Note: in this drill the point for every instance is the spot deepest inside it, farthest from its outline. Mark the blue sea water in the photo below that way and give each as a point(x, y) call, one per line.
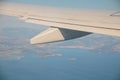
point(86, 65)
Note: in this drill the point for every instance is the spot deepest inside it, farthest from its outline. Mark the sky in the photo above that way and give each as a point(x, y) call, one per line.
point(97, 4)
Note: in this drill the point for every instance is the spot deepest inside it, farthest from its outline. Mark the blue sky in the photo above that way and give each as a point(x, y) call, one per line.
point(97, 4)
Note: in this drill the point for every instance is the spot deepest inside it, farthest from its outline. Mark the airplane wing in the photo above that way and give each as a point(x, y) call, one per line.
point(65, 23)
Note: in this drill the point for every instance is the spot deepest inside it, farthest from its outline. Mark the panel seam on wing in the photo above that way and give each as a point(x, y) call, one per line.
point(72, 24)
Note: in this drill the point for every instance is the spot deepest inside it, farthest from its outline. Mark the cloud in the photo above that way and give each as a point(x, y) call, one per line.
point(11, 57)
point(79, 46)
point(14, 39)
point(116, 48)
point(51, 55)
point(72, 59)
point(96, 43)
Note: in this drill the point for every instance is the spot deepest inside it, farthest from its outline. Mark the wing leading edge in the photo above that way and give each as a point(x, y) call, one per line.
point(65, 23)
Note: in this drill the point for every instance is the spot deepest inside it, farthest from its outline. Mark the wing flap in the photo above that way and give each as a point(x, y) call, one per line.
point(56, 34)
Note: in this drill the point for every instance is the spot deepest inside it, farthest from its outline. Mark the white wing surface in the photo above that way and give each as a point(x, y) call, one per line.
point(65, 23)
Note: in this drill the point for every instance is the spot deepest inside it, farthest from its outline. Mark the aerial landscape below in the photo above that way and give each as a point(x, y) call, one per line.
point(92, 57)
